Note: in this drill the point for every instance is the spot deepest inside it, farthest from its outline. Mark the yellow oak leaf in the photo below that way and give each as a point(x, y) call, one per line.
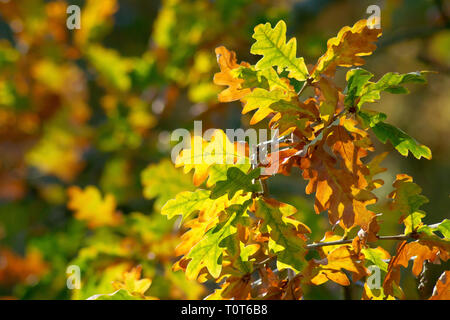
point(90, 207)
point(132, 282)
point(201, 155)
point(342, 257)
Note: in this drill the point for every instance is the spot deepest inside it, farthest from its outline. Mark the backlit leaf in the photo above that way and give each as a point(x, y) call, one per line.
point(208, 251)
point(400, 140)
point(441, 290)
point(285, 241)
point(164, 182)
point(271, 43)
point(236, 181)
point(89, 206)
point(201, 155)
point(227, 62)
point(347, 48)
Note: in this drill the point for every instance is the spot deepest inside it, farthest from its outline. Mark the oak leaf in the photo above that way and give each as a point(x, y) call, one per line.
point(441, 290)
point(132, 282)
point(271, 44)
point(89, 206)
point(227, 63)
point(201, 155)
point(339, 183)
point(285, 241)
point(236, 181)
point(347, 48)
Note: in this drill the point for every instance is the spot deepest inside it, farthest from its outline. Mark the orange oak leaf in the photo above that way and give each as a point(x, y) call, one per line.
point(421, 250)
point(274, 287)
point(227, 62)
point(331, 267)
point(366, 234)
point(329, 98)
point(295, 117)
point(234, 287)
point(16, 269)
point(374, 169)
point(339, 182)
point(347, 48)
point(442, 288)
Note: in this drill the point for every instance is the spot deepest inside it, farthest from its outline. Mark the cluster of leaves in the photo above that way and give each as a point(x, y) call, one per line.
point(256, 247)
point(80, 121)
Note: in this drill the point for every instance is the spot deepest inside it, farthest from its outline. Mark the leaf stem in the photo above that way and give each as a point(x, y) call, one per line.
point(305, 85)
point(264, 187)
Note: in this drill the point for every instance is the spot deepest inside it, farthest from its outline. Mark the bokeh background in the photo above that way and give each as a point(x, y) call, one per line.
point(96, 106)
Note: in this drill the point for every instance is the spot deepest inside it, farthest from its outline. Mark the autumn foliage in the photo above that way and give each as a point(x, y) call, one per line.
point(207, 225)
point(249, 234)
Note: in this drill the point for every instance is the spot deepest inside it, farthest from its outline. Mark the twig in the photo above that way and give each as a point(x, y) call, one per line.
point(338, 242)
point(303, 152)
point(343, 241)
point(265, 188)
point(333, 243)
point(305, 85)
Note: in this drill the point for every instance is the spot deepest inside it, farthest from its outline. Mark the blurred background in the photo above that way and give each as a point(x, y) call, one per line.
point(96, 106)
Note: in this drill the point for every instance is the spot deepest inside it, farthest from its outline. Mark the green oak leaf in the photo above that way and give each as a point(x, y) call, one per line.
point(266, 79)
point(274, 80)
point(369, 118)
point(404, 202)
point(391, 82)
point(239, 253)
point(271, 44)
point(284, 239)
point(218, 172)
point(252, 77)
point(208, 252)
point(414, 221)
point(402, 142)
point(375, 257)
point(360, 90)
point(186, 203)
point(444, 228)
point(236, 181)
point(261, 99)
point(163, 181)
point(356, 80)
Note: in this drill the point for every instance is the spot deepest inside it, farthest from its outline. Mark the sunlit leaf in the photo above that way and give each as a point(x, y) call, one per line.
point(89, 206)
point(271, 44)
point(347, 48)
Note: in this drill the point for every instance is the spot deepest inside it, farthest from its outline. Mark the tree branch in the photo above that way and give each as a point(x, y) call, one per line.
point(345, 241)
